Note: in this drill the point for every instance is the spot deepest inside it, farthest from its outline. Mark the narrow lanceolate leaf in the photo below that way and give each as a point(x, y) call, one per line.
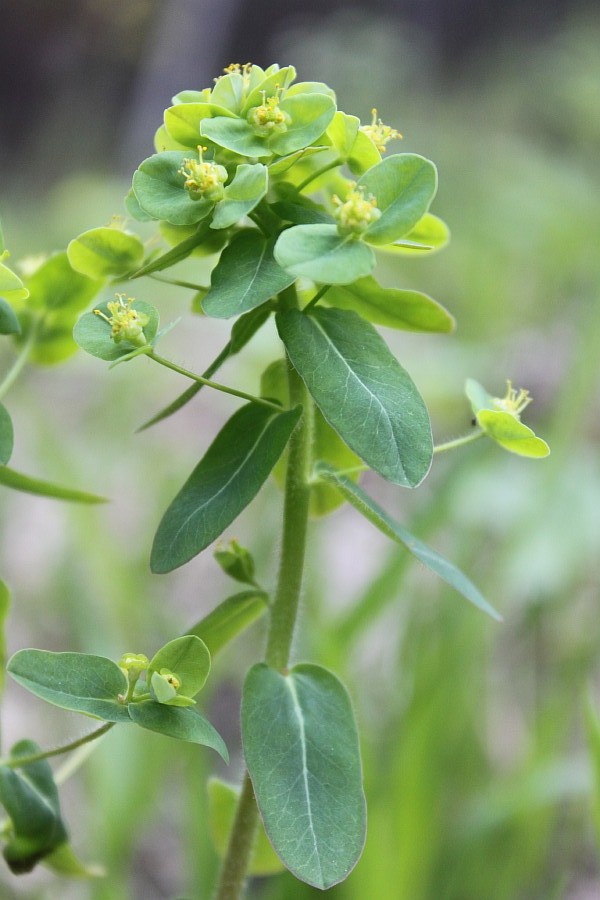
point(384, 522)
point(19, 482)
point(30, 798)
point(179, 723)
point(245, 277)
point(230, 618)
point(6, 436)
point(229, 476)
point(77, 681)
point(9, 324)
point(402, 309)
point(301, 749)
point(320, 253)
point(362, 390)
point(105, 251)
point(404, 185)
point(247, 189)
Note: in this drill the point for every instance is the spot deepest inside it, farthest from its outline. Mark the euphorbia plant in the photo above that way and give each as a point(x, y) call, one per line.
point(295, 200)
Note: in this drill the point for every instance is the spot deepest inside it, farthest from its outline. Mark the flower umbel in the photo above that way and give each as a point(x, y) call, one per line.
point(126, 323)
point(268, 118)
point(203, 180)
point(379, 133)
point(356, 213)
point(514, 402)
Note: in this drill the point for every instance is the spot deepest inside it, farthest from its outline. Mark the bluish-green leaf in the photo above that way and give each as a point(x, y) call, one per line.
point(320, 253)
point(269, 84)
point(105, 251)
point(179, 723)
point(93, 333)
point(362, 390)
point(403, 185)
point(229, 476)
point(236, 135)
point(301, 749)
point(19, 482)
point(159, 188)
point(364, 154)
point(222, 803)
point(230, 618)
point(384, 522)
point(9, 324)
point(134, 209)
point(7, 436)
point(310, 115)
point(247, 189)
point(394, 308)
point(30, 798)
point(246, 276)
point(77, 681)
point(187, 657)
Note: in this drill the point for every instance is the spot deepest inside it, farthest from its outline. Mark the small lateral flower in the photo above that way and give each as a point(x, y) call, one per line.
point(204, 180)
point(268, 118)
point(125, 322)
point(514, 402)
point(379, 133)
point(500, 419)
point(356, 213)
point(133, 662)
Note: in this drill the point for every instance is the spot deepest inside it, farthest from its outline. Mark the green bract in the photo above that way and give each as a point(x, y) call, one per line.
point(500, 420)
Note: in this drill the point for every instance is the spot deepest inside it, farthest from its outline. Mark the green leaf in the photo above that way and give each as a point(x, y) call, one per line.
point(105, 251)
point(236, 135)
point(235, 467)
point(77, 681)
point(63, 861)
point(134, 209)
point(222, 804)
point(429, 235)
point(11, 286)
point(237, 562)
point(188, 657)
point(6, 436)
point(513, 435)
point(228, 92)
point(362, 390)
point(478, 396)
point(320, 253)
point(57, 287)
point(247, 189)
point(30, 798)
point(182, 121)
point(159, 188)
point(93, 333)
point(404, 185)
point(9, 324)
point(367, 507)
point(301, 749)
point(245, 277)
point(401, 309)
point(19, 482)
point(364, 155)
point(342, 133)
point(230, 618)
point(2, 244)
point(4, 608)
point(179, 252)
point(179, 723)
point(279, 78)
point(310, 115)
point(301, 213)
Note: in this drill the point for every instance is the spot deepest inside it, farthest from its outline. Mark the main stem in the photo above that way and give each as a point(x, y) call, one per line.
point(283, 613)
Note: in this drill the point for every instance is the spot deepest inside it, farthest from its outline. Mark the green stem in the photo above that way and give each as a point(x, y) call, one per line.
point(283, 611)
point(16, 762)
point(459, 442)
point(314, 300)
point(213, 384)
point(315, 175)
point(15, 370)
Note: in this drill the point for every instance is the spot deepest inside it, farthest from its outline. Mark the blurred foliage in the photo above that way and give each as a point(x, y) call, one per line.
point(477, 764)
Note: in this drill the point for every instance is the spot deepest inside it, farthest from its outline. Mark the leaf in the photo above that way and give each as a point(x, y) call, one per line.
point(513, 435)
point(57, 287)
point(404, 185)
point(362, 390)
point(301, 213)
point(364, 155)
point(77, 681)
point(105, 251)
point(9, 324)
point(179, 252)
point(320, 253)
point(93, 333)
point(222, 804)
point(236, 135)
point(188, 657)
point(19, 482)
point(63, 861)
point(279, 78)
point(225, 481)
point(182, 121)
point(30, 798)
point(245, 277)
point(402, 309)
point(478, 396)
point(179, 723)
point(367, 507)
point(4, 608)
point(247, 189)
point(237, 562)
point(342, 133)
point(230, 618)
point(134, 209)
point(11, 286)
point(301, 749)
point(310, 115)
point(6, 436)
point(429, 235)
point(159, 188)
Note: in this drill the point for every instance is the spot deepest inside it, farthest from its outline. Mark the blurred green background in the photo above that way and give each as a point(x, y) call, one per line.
point(481, 744)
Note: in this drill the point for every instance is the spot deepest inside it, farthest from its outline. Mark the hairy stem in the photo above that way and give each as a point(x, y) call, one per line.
point(16, 762)
point(459, 442)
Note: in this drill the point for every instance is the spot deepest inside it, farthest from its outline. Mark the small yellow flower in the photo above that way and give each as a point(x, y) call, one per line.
point(514, 402)
point(356, 213)
point(133, 662)
point(171, 678)
point(203, 180)
point(379, 133)
point(126, 323)
point(268, 118)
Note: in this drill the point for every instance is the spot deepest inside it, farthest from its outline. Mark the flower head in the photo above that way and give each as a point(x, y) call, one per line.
point(379, 133)
point(268, 119)
point(203, 180)
point(356, 213)
point(514, 402)
point(126, 323)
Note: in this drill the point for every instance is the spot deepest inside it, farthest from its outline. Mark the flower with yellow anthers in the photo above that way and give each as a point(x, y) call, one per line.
point(514, 402)
point(237, 69)
point(171, 678)
point(356, 213)
point(133, 662)
point(379, 133)
point(126, 323)
point(268, 119)
point(204, 180)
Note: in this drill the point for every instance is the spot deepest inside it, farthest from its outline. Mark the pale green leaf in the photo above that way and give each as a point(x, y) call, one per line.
point(19, 482)
point(230, 618)
point(247, 189)
point(403, 309)
point(105, 251)
point(320, 253)
point(403, 185)
point(188, 658)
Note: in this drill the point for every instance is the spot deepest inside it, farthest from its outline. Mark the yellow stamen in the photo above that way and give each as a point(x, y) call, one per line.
point(514, 402)
point(379, 133)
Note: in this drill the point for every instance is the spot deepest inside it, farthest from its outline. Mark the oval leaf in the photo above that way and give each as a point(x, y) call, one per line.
point(159, 188)
point(230, 618)
point(9, 324)
point(179, 723)
point(245, 276)
point(19, 482)
point(105, 251)
point(310, 115)
point(6, 436)
point(222, 804)
point(362, 390)
point(56, 286)
point(320, 253)
point(11, 285)
point(229, 476)
point(93, 333)
point(77, 681)
point(247, 189)
point(404, 185)
point(513, 435)
point(236, 135)
point(301, 749)
point(188, 658)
